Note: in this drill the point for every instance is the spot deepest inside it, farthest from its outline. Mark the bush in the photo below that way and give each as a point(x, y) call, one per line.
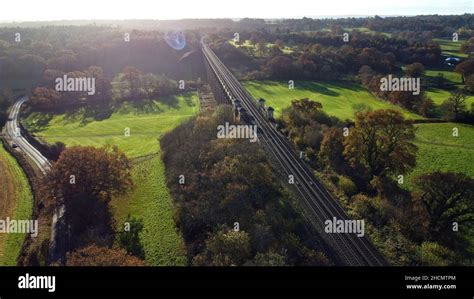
point(347, 185)
point(130, 239)
point(433, 254)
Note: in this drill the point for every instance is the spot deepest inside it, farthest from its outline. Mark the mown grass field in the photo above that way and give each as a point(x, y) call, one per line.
point(146, 123)
point(150, 199)
point(438, 149)
point(338, 99)
point(16, 202)
point(440, 95)
point(448, 75)
point(450, 48)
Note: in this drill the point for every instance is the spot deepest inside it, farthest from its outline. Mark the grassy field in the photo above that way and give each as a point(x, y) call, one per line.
point(150, 199)
point(16, 202)
point(450, 48)
point(448, 75)
point(440, 95)
point(146, 123)
point(439, 150)
point(367, 30)
point(338, 99)
point(253, 48)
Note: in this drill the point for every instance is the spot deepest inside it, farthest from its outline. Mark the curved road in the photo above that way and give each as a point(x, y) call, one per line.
point(14, 132)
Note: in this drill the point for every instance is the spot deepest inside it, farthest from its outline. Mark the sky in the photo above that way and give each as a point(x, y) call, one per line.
point(49, 10)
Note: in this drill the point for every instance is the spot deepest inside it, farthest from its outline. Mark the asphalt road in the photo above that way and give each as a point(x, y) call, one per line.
point(14, 132)
point(56, 247)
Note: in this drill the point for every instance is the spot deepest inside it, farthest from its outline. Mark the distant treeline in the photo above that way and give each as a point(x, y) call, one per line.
point(25, 53)
point(440, 25)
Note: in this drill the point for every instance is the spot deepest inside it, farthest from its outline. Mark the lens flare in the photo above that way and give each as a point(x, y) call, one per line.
point(176, 40)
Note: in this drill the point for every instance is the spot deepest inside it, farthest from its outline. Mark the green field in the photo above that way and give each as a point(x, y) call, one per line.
point(150, 199)
point(246, 44)
point(367, 30)
point(338, 99)
point(439, 150)
point(440, 95)
point(450, 76)
point(450, 48)
point(146, 124)
point(16, 202)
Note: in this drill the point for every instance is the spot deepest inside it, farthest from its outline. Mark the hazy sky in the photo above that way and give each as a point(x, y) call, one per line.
point(33, 10)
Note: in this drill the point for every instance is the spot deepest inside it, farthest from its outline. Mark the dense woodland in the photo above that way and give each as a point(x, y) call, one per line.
point(231, 208)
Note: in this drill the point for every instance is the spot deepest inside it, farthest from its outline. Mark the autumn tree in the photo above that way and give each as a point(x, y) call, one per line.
point(262, 47)
point(49, 77)
point(269, 259)
point(149, 82)
point(4, 104)
point(448, 199)
point(414, 70)
point(468, 46)
point(332, 148)
point(470, 83)
point(280, 44)
point(103, 86)
point(97, 172)
point(280, 67)
point(64, 60)
point(427, 107)
point(226, 248)
point(84, 179)
point(94, 256)
point(381, 142)
point(454, 106)
point(433, 254)
point(304, 122)
point(130, 77)
point(465, 68)
point(45, 98)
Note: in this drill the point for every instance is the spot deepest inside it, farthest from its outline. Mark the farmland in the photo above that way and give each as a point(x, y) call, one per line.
point(440, 95)
point(16, 202)
point(449, 47)
point(149, 200)
point(340, 99)
point(146, 122)
point(438, 149)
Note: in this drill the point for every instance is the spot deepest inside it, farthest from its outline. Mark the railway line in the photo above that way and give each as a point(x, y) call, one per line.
point(317, 202)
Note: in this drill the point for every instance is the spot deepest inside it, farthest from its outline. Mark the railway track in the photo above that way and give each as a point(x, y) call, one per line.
point(318, 203)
